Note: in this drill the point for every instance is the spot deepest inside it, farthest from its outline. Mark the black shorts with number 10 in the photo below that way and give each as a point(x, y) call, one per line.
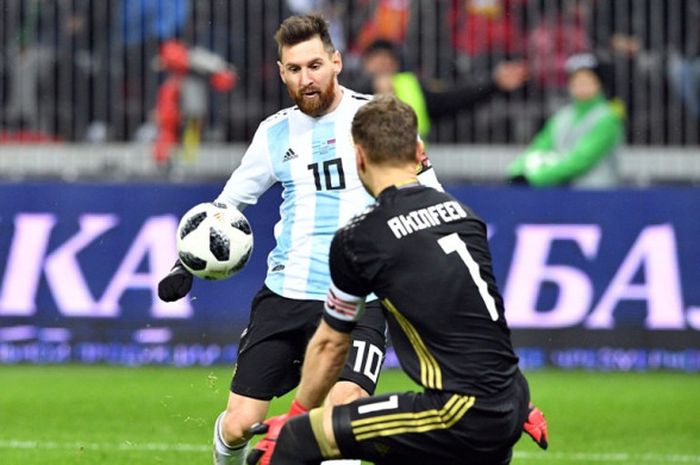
point(272, 347)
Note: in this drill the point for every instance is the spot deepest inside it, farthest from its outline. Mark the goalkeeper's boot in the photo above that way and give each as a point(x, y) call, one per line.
point(536, 426)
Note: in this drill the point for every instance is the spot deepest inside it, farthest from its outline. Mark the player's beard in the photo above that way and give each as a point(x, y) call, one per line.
point(314, 106)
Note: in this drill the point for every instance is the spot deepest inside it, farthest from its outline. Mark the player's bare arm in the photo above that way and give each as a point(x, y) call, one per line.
point(323, 362)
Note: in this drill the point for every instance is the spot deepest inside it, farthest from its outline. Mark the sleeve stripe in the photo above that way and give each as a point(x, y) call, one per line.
point(342, 305)
point(344, 295)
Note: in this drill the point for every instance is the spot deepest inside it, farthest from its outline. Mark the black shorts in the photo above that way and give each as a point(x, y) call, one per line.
point(272, 347)
point(432, 427)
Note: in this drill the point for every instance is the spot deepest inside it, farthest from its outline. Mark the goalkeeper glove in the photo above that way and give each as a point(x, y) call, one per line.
point(176, 284)
point(271, 428)
point(536, 426)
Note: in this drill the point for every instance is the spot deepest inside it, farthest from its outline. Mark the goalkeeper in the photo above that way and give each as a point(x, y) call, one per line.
point(426, 257)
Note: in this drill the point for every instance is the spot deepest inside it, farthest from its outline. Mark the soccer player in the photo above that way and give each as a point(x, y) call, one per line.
point(308, 149)
point(426, 257)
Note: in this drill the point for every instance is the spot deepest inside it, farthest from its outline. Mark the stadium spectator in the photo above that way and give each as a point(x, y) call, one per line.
point(629, 39)
point(52, 64)
point(433, 274)
point(485, 31)
point(30, 59)
point(560, 34)
point(140, 27)
point(388, 21)
point(578, 143)
point(308, 150)
point(382, 74)
point(183, 98)
point(684, 72)
point(684, 63)
point(78, 64)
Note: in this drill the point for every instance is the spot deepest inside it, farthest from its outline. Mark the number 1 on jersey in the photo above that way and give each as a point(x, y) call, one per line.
point(452, 243)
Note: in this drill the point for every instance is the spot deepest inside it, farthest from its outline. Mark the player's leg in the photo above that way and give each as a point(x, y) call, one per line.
point(359, 377)
point(268, 366)
point(298, 444)
point(231, 426)
point(344, 392)
point(429, 427)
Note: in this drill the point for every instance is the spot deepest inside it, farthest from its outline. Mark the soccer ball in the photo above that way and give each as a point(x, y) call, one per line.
point(214, 241)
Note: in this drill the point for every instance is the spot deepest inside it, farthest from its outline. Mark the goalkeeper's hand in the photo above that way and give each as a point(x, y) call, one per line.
point(176, 284)
point(536, 426)
point(262, 452)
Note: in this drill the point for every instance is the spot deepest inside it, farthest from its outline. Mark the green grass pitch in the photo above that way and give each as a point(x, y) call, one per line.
point(110, 415)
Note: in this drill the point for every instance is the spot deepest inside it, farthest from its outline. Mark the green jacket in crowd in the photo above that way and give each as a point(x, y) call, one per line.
point(576, 147)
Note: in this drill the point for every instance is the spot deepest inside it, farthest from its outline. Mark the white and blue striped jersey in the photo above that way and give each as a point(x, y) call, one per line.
point(314, 160)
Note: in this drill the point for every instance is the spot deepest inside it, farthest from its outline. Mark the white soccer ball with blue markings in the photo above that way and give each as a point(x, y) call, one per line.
point(214, 241)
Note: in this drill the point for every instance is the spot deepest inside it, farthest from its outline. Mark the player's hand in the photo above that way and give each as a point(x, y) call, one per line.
point(262, 452)
point(536, 426)
point(176, 284)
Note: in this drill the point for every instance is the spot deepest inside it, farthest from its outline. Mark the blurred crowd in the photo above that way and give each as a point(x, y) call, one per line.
point(96, 71)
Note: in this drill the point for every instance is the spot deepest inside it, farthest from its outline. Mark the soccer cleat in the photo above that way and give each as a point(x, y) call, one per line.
point(536, 426)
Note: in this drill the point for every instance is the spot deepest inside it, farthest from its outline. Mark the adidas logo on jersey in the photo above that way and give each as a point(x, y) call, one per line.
point(289, 155)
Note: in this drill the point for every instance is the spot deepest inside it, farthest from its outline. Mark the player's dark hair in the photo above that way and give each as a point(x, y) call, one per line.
point(387, 129)
point(297, 29)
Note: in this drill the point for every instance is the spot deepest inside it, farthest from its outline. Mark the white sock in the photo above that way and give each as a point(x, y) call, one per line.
point(223, 453)
point(341, 462)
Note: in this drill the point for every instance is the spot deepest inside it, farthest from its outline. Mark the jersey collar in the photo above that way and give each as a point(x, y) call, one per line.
point(397, 187)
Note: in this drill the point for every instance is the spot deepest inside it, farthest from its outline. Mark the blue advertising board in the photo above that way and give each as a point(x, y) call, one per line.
point(603, 279)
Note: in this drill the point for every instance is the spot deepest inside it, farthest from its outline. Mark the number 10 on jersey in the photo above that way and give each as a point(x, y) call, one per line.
point(332, 173)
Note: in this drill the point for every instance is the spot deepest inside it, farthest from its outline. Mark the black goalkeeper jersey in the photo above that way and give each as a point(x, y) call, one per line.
point(426, 256)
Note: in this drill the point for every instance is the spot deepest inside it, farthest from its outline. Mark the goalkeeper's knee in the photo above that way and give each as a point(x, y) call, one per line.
point(297, 444)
